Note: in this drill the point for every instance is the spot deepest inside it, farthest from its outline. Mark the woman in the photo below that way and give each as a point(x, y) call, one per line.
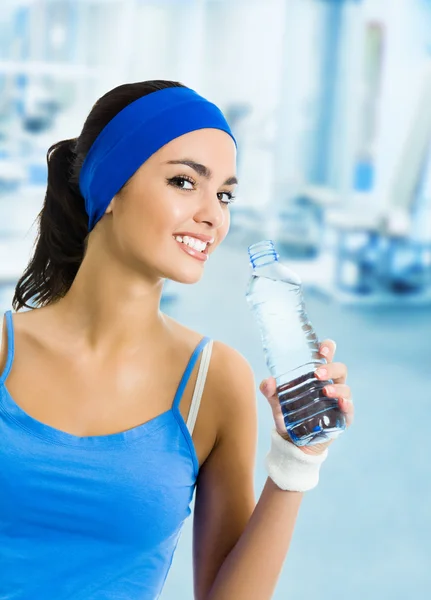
point(101, 440)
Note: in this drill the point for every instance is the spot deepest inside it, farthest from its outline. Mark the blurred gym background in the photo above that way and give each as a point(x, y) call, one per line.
point(330, 101)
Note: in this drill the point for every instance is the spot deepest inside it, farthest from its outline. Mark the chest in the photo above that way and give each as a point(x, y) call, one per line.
point(73, 398)
point(84, 401)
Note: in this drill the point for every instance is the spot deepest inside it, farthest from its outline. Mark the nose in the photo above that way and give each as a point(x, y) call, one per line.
point(210, 211)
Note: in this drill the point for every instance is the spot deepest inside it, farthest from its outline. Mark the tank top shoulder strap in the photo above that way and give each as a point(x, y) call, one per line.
point(190, 366)
point(10, 344)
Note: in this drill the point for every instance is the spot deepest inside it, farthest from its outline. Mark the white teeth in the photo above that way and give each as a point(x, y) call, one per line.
point(192, 242)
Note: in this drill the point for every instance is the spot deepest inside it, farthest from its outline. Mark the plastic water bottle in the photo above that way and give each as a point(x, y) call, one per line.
point(291, 348)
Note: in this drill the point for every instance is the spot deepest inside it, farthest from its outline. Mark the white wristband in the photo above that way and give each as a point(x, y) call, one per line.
point(290, 468)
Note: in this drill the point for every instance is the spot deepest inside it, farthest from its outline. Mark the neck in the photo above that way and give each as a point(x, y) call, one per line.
point(113, 306)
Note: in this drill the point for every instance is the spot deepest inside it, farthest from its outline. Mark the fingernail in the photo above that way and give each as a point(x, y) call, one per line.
point(321, 373)
point(324, 351)
point(329, 389)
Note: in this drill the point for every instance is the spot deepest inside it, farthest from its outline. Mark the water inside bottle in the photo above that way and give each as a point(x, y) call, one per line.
point(310, 416)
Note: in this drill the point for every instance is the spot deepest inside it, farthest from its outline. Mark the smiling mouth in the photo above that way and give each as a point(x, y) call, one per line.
point(196, 253)
point(193, 243)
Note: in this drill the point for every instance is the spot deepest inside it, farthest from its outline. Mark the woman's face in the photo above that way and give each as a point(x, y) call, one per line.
point(163, 200)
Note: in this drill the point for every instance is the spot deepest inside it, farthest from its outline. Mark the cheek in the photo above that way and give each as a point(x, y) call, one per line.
point(224, 229)
point(146, 209)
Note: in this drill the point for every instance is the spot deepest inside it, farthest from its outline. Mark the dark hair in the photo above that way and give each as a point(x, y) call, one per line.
point(63, 222)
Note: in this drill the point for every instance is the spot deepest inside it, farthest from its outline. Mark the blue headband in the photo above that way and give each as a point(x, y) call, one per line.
point(135, 134)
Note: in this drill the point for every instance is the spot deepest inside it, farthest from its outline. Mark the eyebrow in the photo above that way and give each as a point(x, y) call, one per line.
point(201, 169)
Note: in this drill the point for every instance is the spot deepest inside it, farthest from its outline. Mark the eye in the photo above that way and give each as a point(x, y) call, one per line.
point(179, 179)
point(229, 195)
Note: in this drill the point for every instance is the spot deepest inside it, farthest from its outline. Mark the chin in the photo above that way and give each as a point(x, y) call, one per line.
point(187, 276)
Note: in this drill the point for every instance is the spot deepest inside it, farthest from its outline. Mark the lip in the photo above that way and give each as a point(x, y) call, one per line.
point(198, 236)
point(202, 256)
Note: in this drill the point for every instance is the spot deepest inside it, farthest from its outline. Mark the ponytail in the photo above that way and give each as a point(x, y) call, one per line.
point(63, 229)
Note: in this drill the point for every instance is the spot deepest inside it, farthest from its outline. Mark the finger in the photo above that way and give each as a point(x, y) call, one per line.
point(327, 349)
point(338, 390)
point(268, 387)
point(348, 409)
point(336, 371)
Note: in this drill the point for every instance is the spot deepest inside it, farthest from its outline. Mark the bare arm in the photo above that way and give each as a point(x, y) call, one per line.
point(253, 567)
point(239, 546)
point(254, 552)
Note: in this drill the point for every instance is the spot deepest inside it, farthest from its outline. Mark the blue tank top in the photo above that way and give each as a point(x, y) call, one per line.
point(91, 518)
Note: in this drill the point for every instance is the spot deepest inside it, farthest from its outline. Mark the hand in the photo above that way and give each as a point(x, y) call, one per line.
point(335, 371)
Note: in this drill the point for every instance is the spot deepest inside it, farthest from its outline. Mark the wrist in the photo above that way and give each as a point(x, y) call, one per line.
point(289, 467)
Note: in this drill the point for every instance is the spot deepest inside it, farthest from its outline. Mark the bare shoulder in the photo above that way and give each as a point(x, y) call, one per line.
point(232, 393)
point(22, 321)
point(230, 384)
point(26, 320)
point(229, 370)
point(233, 375)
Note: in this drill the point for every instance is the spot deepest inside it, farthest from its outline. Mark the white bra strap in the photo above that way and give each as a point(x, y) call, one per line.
point(199, 387)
